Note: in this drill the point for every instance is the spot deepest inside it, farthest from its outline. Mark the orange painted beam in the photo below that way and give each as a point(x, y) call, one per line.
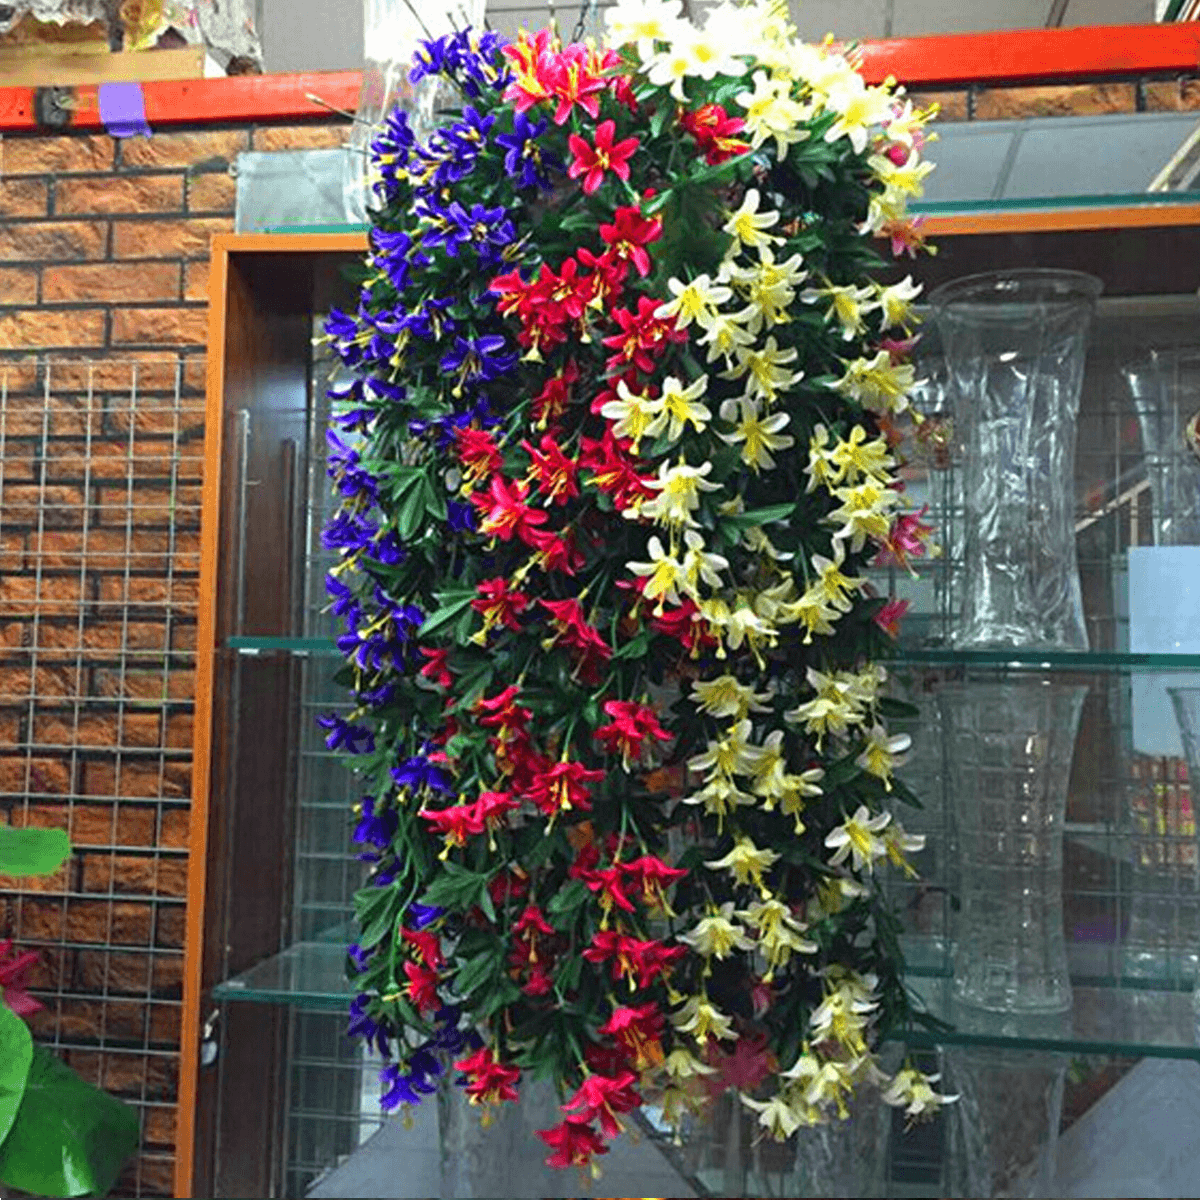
point(1018, 56)
point(1025, 56)
point(239, 99)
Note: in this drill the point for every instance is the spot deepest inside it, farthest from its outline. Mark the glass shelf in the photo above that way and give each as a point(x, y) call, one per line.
point(1111, 1015)
point(930, 657)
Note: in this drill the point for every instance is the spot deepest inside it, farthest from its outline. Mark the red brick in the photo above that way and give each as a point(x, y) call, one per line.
point(26, 328)
point(178, 593)
point(172, 920)
point(54, 731)
point(46, 775)
point(995, 104)
point(157, 326)
point(155, 1176)
point(211, 193)
point(301, 137)
point(120, 194)
point(120, 972)
point(184, 149)
point(53, 596)
point(175, 831)
point(952, 105)
point(41, 921)
point(12, 549)
point(22, 198)
point(102, 549)
point(127, 874)
point(15, 683)
point(56, 155)
point(189, 238)
point(18, 285)
point(195, 281)
point(55, 883)
point(159, 1126)
point(137, 781)
point(19, 375)
point(52, 241)
point(145, 685)
point(104, 922)
point(111, 283)
point(179, 731)
point(165, 1025)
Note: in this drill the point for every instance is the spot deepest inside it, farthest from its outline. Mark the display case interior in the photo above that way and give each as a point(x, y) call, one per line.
point(282, 870)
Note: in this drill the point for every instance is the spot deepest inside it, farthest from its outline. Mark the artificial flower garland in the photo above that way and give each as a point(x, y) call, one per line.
point(618, 438)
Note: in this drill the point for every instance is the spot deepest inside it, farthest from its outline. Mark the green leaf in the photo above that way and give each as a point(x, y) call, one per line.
point(452, 605)
point(473, 973)
point(636, 647)
point(569, 898)
point(32, 851)
point(69, 1138)
point(759, 516)
point(889, 706)
point(16, 1053)
point(412, 509)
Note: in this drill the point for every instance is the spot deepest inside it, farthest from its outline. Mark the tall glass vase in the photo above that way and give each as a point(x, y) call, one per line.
point(1009, 747)
point(1014, 346)
point(1165, 389)
point(392, 30)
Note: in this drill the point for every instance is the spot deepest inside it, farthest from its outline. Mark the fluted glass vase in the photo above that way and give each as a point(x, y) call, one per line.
point(1008, 751)
point(1165, 389)
point(392, 29)
point(1014, 346)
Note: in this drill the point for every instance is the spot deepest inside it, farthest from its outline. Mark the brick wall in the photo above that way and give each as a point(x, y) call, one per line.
point(103, 277)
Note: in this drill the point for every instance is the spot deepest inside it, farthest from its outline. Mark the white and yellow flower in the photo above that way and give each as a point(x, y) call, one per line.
point(678, 487)
point(633, 414)
point(717, 935)
point(681, 407)
point(896, 301)
point(696, 301)
point(746, 863)
point(912, 1090)
point(883, 753)
point(703, 1020)
point(858, 107)
point(772, 114)
point(764, 369)
point(856, 458)
point(726, 697)
point(848, 306)
point(748, 227)
point(756, 434)
point(644, 22)
point(855, 838)
point(877, 383)
point(775, 1115)
point(664, 575)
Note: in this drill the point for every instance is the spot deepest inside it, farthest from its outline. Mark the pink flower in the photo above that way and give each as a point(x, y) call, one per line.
point(888, 617)
point(593, 161)
point(14, 979)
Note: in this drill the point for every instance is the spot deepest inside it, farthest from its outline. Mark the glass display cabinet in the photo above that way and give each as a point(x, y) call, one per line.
point(281, 1095)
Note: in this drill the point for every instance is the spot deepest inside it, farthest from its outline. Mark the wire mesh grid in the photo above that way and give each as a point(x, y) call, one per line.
point(1131, 911)
point(100, 473)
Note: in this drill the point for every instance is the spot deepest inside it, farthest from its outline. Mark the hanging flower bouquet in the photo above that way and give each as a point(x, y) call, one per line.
point(616, 447)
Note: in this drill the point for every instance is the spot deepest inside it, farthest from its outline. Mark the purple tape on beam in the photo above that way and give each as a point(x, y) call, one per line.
point(123, 109)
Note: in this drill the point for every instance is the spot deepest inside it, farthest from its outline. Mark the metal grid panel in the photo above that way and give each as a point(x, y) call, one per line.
point(100, 471)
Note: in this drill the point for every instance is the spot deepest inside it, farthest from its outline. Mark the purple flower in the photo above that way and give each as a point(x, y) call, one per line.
point(418, 774)
point(342, 735)
point(479, 360)
point(374, 1033)
point(346, 531)
point(460, 517)
point(411, 1083)
point(422, 915)
point(388, 549)
point(390, 152)
point(523, 158)
point(391, 252)
point(376, 827)
point(345, 468)
point(359, 957)
point(345, 604)
point(342, 332)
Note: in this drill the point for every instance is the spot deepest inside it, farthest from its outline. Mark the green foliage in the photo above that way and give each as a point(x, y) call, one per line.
point(32, 851)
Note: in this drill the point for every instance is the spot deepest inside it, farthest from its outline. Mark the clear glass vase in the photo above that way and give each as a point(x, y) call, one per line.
point(1165, 389)
point(392, 30)
point(719, 1153)
point(1014, 345)
point(1008, 749)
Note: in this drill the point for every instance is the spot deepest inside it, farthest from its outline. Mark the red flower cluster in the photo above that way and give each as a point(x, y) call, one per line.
point(713, 130)
point(570, 76)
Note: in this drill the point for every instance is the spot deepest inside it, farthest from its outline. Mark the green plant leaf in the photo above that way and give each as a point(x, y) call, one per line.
point(452, 604)
point(69, 1138)
point(16, 1053)
point(32, 851)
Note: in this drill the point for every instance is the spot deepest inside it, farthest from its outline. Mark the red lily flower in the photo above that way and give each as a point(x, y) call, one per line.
point(422, 987)
point(638, 1028)
point(643, 336)
point(538, 982)
point(609, 884)
point(574, 77)
point(632, 723)
point(555, 473)
point(427, 945)
point(713, 130)
point(14, 979)
point(455, 824)
point(574, 1143)
point(614, 470)
point(507, 885)
point(529, 55)
point(491, 1081)
point(499, 604)
point(503, 511)
point(889, 616)
point(552, 401)
point(556, 551)
point(492, 807)
point(593, 161)
point(562, 788)
point(479, 455)
point(629, 235)
point(654, 877)
point(502, 710)
point(436, 668)
point(601, 1098)
point(637, 961)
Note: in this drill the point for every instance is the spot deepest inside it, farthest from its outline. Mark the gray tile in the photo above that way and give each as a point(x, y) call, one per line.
point(845, 19)
point(914, 17)
point(1109, 12)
